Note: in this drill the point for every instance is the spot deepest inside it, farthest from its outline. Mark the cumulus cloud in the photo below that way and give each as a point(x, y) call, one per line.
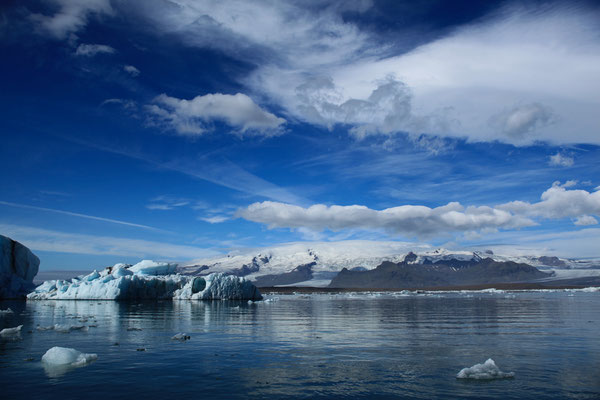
point(131, 70)
point(70, 17)
point(585, 220)
point(405, 220)
point(560, 160)
point(191, 117)
point(558, 202)
point(412, 220)
point(90, 50)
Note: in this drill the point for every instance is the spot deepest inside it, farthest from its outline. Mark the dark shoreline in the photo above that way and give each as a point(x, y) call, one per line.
point(500, 286)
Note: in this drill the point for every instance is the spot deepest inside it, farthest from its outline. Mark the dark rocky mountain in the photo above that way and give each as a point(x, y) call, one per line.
point(299, 274)
point(452, 272)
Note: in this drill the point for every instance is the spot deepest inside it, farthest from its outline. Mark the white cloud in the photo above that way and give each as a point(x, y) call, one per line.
point(71, 16)
point(190, 117)
point(90, 50)
point(517, 76)
point(405, 220)
point(560, 160)
point(557, 202)
point(586, 220)
point(131, 70)
point(49, 240)
point(216, 219)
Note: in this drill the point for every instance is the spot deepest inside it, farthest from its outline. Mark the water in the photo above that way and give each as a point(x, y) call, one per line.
point(312, 346)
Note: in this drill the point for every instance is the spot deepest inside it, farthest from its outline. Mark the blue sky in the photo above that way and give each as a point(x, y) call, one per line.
point(183, 129)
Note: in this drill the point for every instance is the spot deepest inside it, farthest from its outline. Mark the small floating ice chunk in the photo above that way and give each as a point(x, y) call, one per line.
point(45, 328)
point(7, 311)
point(7, 332)
point(487, 370)
point(68, 328)
point(181, 337)
point(67, 356)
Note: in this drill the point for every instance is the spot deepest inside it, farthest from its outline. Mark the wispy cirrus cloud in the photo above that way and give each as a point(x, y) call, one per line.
point(70, 16)
point(79, 215)
point(76, 243)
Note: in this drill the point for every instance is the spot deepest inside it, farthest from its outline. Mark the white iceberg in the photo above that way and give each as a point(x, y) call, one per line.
point(18, 267)
point(7, 311)
point(146, 280)
point(8, 332)
point(67, 356)
point(218, 287)
point(487, 370)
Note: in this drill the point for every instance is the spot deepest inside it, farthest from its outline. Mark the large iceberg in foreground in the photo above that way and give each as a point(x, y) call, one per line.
point(18, 267)
point(487, 370)
point(146, 280)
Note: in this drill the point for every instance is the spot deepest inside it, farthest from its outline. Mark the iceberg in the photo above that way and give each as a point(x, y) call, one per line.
point(147, 280)
point(488, 370)
point(67, 356)
point(6, 312)
point(18, 267)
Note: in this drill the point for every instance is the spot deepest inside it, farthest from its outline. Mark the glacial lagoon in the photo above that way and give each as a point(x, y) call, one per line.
point(350, 345)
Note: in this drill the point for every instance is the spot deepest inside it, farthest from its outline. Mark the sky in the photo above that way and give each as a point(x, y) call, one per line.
point(180, 129)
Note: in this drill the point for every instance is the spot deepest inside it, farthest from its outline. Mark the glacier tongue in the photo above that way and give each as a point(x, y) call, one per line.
point(146, 280)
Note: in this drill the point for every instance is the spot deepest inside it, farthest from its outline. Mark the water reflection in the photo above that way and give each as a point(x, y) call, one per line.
point(369, 345)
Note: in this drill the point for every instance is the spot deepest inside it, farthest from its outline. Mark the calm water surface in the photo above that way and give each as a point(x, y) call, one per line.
point(317, 346)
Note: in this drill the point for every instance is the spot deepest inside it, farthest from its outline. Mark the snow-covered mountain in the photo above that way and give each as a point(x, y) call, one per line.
point(316, 263)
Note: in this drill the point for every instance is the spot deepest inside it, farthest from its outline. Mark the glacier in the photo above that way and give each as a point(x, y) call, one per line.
point(18, 267)
point(325, 259)
point(488, 370)
point(146, 280)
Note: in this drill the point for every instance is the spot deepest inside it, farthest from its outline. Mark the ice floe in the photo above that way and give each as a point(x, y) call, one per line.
point(487, 370)
point(9, 332)
point(59, 360)
point(181, 337)
point(7, 311)
point(146, 280)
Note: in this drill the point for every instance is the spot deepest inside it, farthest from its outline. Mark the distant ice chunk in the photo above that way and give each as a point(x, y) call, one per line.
point(8, 332)
point(7, 311)
point(181, 337)
point(487, 370)
point(64, 328)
